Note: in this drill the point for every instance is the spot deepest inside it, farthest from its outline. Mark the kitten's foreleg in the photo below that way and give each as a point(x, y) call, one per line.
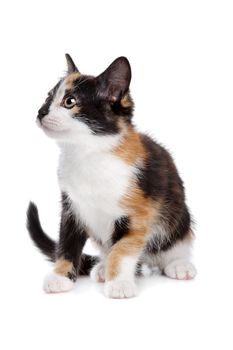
point(68, 256)
point(121, 265)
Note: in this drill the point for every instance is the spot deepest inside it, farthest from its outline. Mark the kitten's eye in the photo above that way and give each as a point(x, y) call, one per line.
point(69, 102)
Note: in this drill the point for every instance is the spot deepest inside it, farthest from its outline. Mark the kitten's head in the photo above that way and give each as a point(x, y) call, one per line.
point(82, 105)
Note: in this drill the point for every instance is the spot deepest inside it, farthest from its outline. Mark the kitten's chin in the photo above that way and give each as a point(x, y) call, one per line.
point(56, 135)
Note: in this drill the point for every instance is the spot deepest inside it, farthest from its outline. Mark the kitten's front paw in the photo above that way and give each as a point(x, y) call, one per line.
point(120, 289)
point(180, 270)
point(97, 273)
point(54, 283)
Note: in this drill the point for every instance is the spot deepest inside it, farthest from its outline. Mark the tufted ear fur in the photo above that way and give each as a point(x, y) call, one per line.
point(114, 82)
point(70, 64)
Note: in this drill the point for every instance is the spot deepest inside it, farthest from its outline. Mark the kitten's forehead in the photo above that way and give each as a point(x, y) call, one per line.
point(65, 85)
point(70, 81)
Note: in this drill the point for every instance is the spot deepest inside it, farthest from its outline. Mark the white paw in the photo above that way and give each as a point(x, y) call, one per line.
point(54, 283)
point(180, 270)
point(97, 273)
point(120, 289)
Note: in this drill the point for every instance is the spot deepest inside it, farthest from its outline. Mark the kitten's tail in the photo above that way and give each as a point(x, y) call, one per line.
point(48, 246)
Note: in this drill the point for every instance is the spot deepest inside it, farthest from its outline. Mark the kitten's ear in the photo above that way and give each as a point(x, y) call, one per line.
point(114, 82)
point(70, 64)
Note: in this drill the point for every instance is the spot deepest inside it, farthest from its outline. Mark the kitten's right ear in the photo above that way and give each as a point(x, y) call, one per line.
point(70, 64)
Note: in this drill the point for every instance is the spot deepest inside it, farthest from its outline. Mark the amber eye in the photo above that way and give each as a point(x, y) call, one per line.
point(69, 102)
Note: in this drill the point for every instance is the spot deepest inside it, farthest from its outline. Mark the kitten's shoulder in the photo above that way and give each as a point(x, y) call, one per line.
point(158, 172)
point(153, 148)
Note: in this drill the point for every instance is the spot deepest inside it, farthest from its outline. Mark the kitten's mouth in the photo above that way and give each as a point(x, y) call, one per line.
point(50, 127)
point(45, 127)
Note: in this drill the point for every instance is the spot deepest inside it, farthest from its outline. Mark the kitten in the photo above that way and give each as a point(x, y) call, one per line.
point(119, 188)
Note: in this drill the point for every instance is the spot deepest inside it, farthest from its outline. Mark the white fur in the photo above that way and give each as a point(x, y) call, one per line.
point(174, 262)
point(118, 289)
point(181, 250)
point(95, 181)
point(146, 271)
point(123, 286)
point(59, 124)
point(98, 273)
point(59, 95)
point(180, 269)
point(92, 176)
point(158, 235)
point(54, 283)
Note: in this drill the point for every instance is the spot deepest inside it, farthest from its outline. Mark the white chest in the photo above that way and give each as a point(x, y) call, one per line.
point(96, 184)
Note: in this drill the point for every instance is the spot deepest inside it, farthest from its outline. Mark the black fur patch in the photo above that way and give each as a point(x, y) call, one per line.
point(86, 264)
point(121, 229)
point(44, 110)
point(159, 180)
point(101, 116)
point(178, 233)
point(46, 245)
point(49, 247)
point(72, 236)
point(158, 171)
point(102, 101)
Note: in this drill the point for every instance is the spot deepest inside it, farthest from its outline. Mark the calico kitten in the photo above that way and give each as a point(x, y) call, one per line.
point(118, 187)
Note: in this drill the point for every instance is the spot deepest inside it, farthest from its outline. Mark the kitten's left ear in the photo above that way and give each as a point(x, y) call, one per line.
point(70, 64)
point(114, 82)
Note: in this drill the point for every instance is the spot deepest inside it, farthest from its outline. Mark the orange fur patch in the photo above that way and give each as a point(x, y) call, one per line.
point(71, 79)
point(126, 102)
point(63, 267)
point(190, 236)
point(131, 245)
point(75, 109)
point(143, 213)
point(131, 148)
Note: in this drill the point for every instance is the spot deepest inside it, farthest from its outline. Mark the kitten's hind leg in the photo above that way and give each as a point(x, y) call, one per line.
point(175, 262)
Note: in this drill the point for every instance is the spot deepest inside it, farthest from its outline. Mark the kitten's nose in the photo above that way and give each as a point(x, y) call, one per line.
point(42, 113)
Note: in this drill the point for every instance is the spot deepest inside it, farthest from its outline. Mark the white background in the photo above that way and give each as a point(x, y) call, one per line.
point(182, 62)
